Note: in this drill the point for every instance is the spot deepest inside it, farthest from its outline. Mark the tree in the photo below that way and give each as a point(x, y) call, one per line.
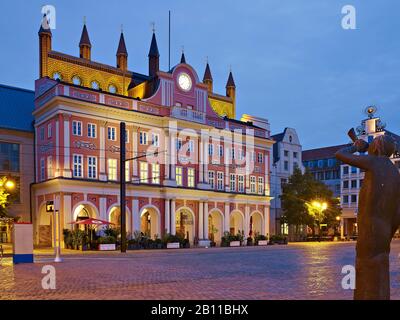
point(297, 199)
point(5, 197)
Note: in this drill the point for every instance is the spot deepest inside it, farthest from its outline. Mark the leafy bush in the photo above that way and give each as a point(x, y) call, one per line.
point(107, 240)
point(228, 237)
point(258, 237)
point(112, 232)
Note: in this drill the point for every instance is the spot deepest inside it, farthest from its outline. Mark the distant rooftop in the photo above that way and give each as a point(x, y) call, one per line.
point(321, 153)
point(16, 106)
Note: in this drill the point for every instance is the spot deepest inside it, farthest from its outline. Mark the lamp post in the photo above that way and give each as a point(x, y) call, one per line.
point(319, 207)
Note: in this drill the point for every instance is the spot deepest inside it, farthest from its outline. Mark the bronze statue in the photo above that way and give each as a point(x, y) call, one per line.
point(378, 214)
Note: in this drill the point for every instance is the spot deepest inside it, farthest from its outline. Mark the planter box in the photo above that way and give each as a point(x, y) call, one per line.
point(234, 244)
point(173, 245)
point(107, 247)
point(262, 242)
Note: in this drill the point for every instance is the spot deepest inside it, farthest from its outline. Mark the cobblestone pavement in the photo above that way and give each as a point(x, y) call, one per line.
point(296, 271)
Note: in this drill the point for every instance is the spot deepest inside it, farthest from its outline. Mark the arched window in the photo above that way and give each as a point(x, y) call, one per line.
point(112, 88)
point(95, 85)
point(76, 80)
point(57, 76)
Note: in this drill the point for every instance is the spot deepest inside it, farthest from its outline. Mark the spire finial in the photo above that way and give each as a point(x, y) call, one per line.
point(206, 59)
point(84, 20)
point(183, 49)
point(230, 68)
point(153, 27)
point(122, 28)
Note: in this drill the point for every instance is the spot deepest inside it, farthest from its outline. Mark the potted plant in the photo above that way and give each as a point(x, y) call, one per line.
point(172, 241)
point(67, 239)
point(107, 243)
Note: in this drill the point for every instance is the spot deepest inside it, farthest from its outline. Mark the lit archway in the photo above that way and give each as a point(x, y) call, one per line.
point(114, 216)
point(83, 211)
point(150, 222)
point(236, 223)
point(185, 223)
point(215, 226)
point(256, 223)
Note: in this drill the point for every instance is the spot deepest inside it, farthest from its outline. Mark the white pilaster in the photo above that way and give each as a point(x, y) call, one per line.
point(57, 172)
point(226, 219)
point(173, 217)
point(67, 211)
point(167, 145)
point(247, 221)
point(103, 208)
point(206, 220)
point(135, 154)
point(67, 158)
point(102, 174)
point(135, 215)
point(201, 161)
point(167, 216)
point(201, 220)
point(266, 222)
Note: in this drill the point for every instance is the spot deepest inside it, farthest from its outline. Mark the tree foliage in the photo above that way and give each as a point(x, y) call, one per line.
point(297, 197)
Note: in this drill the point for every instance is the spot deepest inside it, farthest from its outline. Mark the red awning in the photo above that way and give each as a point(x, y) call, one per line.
point(92, 221)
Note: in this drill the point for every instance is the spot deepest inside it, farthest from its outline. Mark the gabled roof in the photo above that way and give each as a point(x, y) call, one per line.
point(16, 106)
point(85, 37)
point(322, 153)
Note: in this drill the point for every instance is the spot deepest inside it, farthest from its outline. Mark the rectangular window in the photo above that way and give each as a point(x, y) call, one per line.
point(91, 128)
point(260, 185)
point(112, 169)
point(41, 133)
point(9, 157)
point(49, 131)
point(286, 165)
point(210, 149)
point(345, 184)
point(78, 161)
point(155, 173)
point(241, 154)
point(286, 153)
point(260, 157)
point(354, 184)
point(155, 140)
point(191, 146)
point(178, 176)
point(346, 199)
point(42, 169)
point(77, 128)
point(144, 172)
point(345, 169)
point(232, 182)
point(191, 177)
point(211, 180)
point(253, 184)
point(221, 150)
point(143, 137)
point(178, 144)
point(295, 155)
point(240, 183)
point(49, 167)
point(353, 170)
point(127, 169)
point(220, 180)
point(92, 167)
point(353, 198)
point(126, 136)
point(112, 133)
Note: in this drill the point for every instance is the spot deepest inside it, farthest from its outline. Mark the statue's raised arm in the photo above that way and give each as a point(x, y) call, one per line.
point(347, 155)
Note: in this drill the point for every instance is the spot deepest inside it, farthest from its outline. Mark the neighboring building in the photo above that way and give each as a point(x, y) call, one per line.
point(198, 186)
point(353, 177)
point(16, 152)
point(324, 166)
point(287, 155)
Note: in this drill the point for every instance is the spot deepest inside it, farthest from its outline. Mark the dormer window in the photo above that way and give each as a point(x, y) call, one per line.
point(95, 85)
point(57, 76)
point(112, 88)
point(76, 80)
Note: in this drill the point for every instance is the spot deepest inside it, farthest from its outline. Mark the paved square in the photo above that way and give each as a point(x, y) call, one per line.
point(296, 271)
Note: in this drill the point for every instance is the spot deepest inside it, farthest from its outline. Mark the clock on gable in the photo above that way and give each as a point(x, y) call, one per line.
point(184, 81)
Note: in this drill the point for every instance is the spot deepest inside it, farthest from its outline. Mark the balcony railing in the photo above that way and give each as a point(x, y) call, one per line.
point(188, 114)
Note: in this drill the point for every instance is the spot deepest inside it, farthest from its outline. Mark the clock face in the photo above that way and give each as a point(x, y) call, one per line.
point(185, 82)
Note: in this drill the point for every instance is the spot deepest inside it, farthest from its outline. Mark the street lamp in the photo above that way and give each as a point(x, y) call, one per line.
point(319, 207)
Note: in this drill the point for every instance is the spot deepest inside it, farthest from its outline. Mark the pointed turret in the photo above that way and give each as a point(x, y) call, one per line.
point(154, 57)
point(231, 91)
point(183, 59)
point(84, 44)
point(122, 54)
point(207, 79)
point(44, 46)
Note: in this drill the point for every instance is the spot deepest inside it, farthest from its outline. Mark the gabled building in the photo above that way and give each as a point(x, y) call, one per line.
point(195, 170)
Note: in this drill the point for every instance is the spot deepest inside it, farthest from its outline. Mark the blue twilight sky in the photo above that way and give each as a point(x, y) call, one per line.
point(292, 61)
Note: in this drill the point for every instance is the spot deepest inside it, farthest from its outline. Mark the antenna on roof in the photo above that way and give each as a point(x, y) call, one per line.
point(169, 40)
